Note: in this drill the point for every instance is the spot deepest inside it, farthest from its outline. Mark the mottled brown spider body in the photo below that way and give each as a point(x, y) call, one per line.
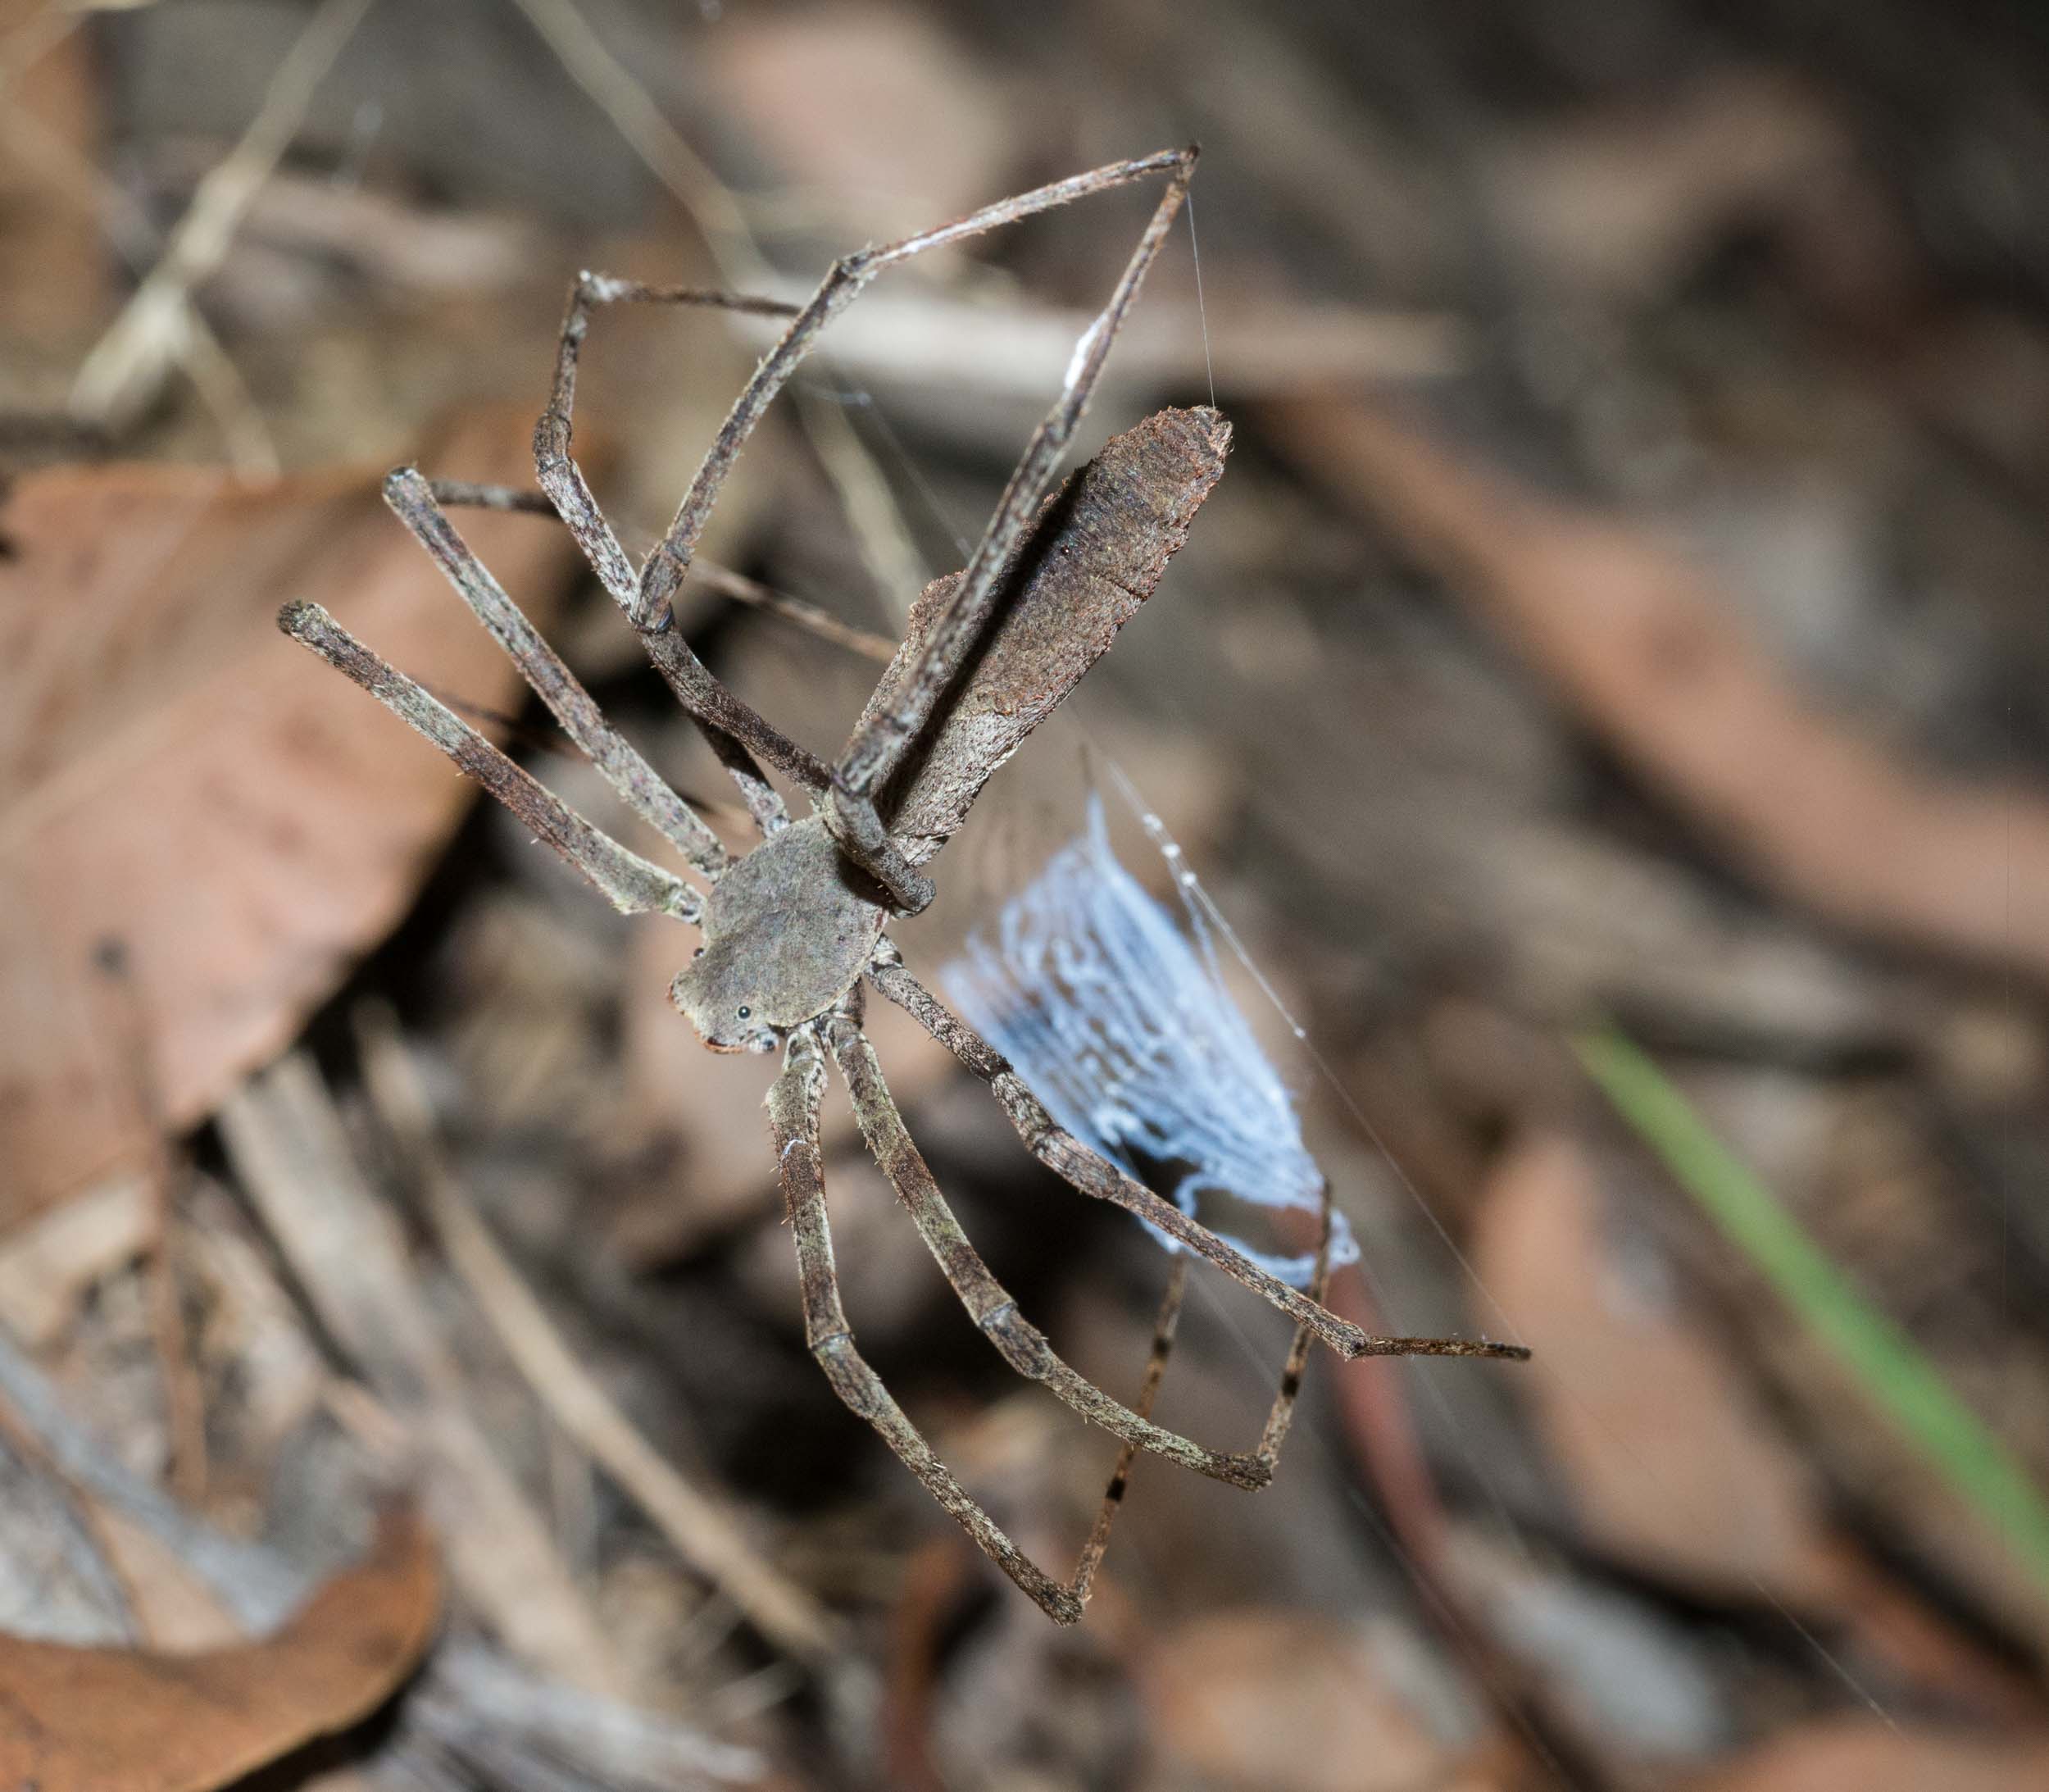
point(787, 932)
point(794, 930)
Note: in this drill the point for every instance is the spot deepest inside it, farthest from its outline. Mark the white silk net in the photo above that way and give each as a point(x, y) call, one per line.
point(1120, 1020)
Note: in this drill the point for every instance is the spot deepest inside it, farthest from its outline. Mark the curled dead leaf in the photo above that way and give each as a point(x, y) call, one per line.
point(124, 1720)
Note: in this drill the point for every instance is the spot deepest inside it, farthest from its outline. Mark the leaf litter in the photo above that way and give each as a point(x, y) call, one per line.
point(140, 797)
point(1415, 838)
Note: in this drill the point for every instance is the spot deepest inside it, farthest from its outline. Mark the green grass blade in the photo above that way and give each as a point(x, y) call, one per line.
point(1896, 1376)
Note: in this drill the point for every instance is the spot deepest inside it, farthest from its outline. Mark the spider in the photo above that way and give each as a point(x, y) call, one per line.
point(794, 929)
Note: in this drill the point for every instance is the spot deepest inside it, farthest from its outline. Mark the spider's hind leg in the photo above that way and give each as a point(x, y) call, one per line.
point(1092, 1174)
point(1272, 1437)
point(993, 1308)
point(794, 1122)
point(1113, 1495)
point(792, 1106)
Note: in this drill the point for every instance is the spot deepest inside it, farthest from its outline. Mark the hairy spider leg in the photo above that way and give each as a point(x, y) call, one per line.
point(793, 1120)
point(628, 882)
point(992, 1306)
point(814, 619)
point(1113, 1493)
point(737, 734)
point(1093, 1174)
point(640, 785)
point(1272, 1437)
point(879, 744)
point(792, 1106)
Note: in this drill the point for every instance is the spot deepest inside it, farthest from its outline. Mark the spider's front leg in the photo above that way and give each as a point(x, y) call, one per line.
point(413, 500)
point(792, 1107)
point(737, 734)
point(887, 731)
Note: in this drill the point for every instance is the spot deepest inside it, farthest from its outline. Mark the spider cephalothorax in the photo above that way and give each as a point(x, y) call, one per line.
point(788, 932)
point(793, 931)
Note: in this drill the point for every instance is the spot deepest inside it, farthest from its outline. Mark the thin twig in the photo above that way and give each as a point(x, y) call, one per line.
point(126, 367)
point(289, 1149)
point(165, 1173)
point(124, 224)
point(702, 1531)
point(255, 1585)
point(81, 1529)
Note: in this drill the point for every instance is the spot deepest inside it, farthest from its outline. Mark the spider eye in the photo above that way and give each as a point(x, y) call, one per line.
point(743, 1012)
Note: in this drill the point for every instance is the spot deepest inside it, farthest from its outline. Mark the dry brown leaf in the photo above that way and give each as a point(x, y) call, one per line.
point(54, 279)
point(118, 1720)
point(1873, 1756)
point(176, 775)
point(1289, 1702)
point(287, 1145)
point(1623, 201)
point(1654, 659)
point(1722, 1502)
point(1717, 1499)
point(861, 105)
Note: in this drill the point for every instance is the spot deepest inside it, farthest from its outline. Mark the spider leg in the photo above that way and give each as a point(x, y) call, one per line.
point(994, 1309)
point(1113, 1495)
point(1274, 1435)
point(842, 285)
point(1282, 1416)
point(648, 605)
point(810, 617)
point(737, 734)
point(1094, 1175)
point(640, 785)
point(792, 1106)
point(628, 881)
point(878, 746)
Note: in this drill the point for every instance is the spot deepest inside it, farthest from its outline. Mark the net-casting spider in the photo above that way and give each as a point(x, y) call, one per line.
point(793, 927)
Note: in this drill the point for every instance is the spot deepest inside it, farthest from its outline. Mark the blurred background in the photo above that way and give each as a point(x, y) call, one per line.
point(1604, 694)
